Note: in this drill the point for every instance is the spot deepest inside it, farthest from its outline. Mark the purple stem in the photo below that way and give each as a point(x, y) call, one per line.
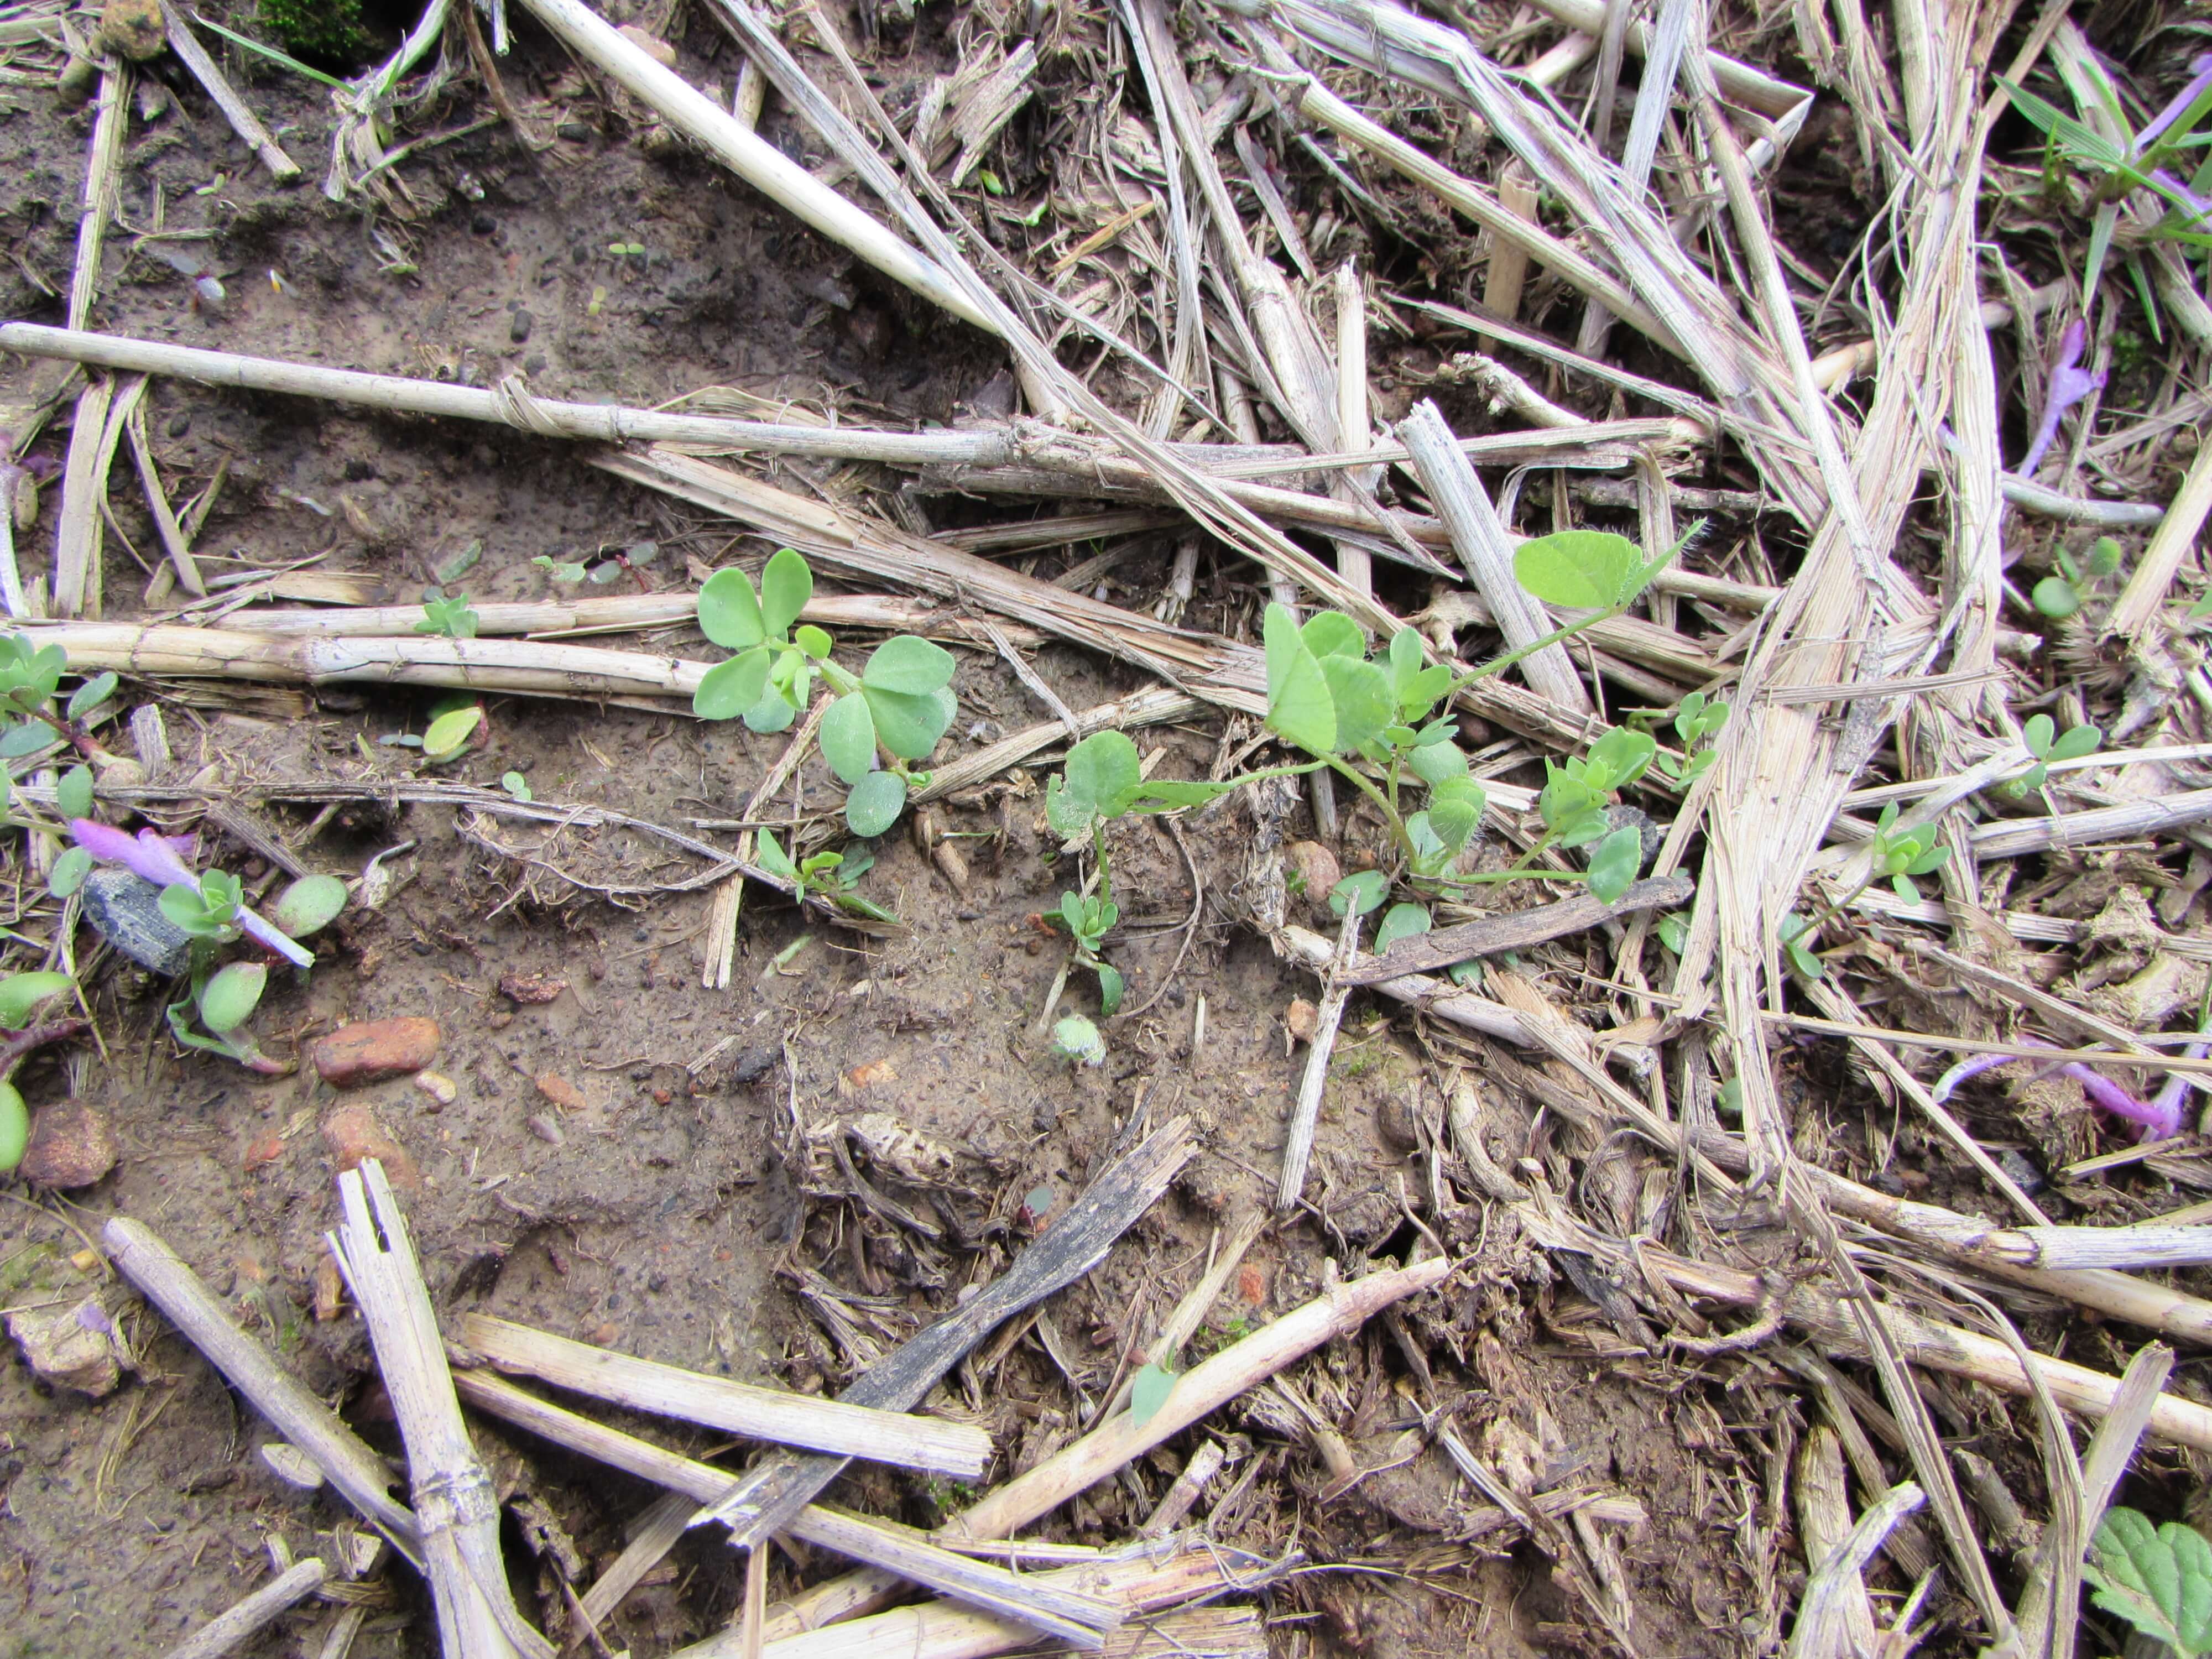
point(2201, 66)
point(19, 1044)
point(2158, 1118)
point(151, 855)
point(2068, 386)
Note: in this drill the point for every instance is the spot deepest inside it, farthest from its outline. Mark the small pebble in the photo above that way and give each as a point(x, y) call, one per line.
point(562, 1093)
point(354, 1136)
point(370, 1050)
point(291, 1465)
point(544, 1125)
point(71, 1146)
point(533, 988)
point(483, 224)
point(519, 330)
point(439, 1087)
point(576, 133)
point(179, 423)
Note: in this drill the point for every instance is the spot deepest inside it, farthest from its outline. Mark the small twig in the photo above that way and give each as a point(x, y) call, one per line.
point(1305, 1112)
point(273, 1600)
point(235, 109)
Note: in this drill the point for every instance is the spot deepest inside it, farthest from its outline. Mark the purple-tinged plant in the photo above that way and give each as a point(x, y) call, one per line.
point(153, 857)
point(2069, 384)
point(2200, 66)
point(2158, 1118)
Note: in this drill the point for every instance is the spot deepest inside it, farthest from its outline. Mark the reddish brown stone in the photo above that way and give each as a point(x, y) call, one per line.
point(531, 987)
point(562, 1093)
point(370, 1050)
point(353, 1134)
point(71, 1146)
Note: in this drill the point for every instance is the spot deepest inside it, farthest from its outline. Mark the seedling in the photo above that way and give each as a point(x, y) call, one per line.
point(1148, 1391)
point(1899, 855)
point(2158, 1579)
point(2063, 594)
point(1076, 1040)
point(22, 995)
point(560, 570)
point(1360, 716)
point(901, 700)
point(31, 713)
point(631, 559)
point(210, 907)
point(450, 616)
point(2047, 744)
point(833, 875)
point(1104, 780)
point(1796, 934)
point(1697, 719)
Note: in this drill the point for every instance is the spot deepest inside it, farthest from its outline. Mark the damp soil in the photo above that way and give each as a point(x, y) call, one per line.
point(641, 1162)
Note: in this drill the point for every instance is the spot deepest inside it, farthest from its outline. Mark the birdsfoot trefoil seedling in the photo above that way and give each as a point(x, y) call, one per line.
point(2047, 744)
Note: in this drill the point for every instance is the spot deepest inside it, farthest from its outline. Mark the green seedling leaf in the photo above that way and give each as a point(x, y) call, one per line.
point(1173, 794)
point(14, 1128)
point(910, 666)
point(1069, 819)
point(89, 696)
point(449, 731)
point(1674, 933)
point(1362, 890)
point(229, 998)
point(2076, 743)
point(1333, 634)
point(909, 727)
point(1361, 695)
point(776, 860)
point(848, 737)
point(2158, 1579)
point(2056, 597)
point(772, 713)
point(515, 785)
point(21, 993)
point(73, 794)
point(1400, 921)
point(1110, 988)
point(787, 584)
point(308, 905)
point(875, 802)
point(1454, 812)
point(729, 689)
point(1148, 1391)
point(29, 737)
point(2040, 732)
point(1103, 773)
point(1619, 757)
point(1579, 570)
point(730, 615)
point(1435, 762)
point(70, 867)
point(1299, 706)
point(560, 570)
point(1613, 867)
point(1076, 1039)
point(811, 640)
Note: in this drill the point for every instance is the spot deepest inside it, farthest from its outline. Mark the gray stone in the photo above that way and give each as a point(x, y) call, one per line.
point(125, 910)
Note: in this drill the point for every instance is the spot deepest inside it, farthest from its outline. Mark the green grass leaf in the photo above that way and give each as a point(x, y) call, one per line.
point(730, 615)
point(875, 802)
point(787, 584)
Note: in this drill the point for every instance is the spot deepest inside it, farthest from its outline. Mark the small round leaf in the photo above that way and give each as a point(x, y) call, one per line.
point(69, 872)
point(909, 727)
point(230, 997)
point(1333, 634)
point(786, 585)
point(912, 667)
point(1148, 1391)
point(728, 688)
point(15, 1125)
point(73, 794)
point(1578, 569)
point(28, 738)
point(1362, 890)
point(811, 640)
point(730, 615)
point(875, 802)
point(308, 905)
point(773, 713)
point(21, 993)
point(1400, 921)
point(89, 696)
point(848, 737)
